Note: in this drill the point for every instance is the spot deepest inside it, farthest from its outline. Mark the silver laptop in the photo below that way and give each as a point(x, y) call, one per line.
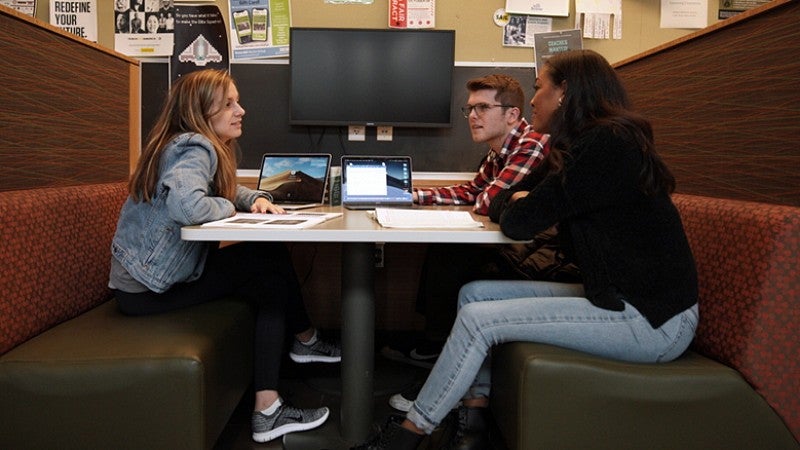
point(295, 180)
point(369, 182)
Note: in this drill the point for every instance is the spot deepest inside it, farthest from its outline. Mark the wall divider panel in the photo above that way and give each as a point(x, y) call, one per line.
point(725, 105)
point(69, 108)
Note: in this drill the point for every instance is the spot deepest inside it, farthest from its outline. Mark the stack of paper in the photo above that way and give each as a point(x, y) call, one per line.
point(424, 218)
point(289, 220)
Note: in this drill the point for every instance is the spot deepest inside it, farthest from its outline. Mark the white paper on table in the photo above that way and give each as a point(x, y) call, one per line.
point(419, 218)
point(292, 220)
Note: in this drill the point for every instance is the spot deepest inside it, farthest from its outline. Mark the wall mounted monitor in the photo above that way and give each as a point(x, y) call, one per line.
point(373, 77)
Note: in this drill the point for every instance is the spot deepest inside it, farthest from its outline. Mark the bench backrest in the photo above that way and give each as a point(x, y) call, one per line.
point(748, 256)
point(55, 245)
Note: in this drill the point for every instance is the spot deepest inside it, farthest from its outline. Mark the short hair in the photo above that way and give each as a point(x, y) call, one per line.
point(509, 91)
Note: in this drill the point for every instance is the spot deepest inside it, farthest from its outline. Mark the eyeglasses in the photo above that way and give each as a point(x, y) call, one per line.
point(481, 108)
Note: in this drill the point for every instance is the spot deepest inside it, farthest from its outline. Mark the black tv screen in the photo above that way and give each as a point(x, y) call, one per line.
point(373, 77)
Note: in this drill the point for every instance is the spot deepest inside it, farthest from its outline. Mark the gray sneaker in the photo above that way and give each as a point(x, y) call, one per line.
point(286, 419)
point(319, 351)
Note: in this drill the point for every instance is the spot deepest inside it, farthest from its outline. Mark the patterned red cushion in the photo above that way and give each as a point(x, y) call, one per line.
point(748, 255)
point(56, 252)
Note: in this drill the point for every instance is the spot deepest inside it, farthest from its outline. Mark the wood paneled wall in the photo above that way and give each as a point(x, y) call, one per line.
point(725, 105)
point(69, 109)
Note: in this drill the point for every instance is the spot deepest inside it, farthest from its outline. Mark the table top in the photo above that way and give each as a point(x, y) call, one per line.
point(355, 226)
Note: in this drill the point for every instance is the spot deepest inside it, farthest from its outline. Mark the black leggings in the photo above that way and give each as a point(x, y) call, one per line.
point(260, 272)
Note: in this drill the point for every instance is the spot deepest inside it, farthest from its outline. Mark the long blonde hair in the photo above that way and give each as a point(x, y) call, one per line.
point(188, 108)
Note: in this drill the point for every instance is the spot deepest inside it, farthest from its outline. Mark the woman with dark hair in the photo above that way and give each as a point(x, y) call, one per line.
point(609, 192)
point(186, 175)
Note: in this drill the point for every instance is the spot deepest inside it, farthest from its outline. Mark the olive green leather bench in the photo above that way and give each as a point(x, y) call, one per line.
point(75, 372)
point(738, 387)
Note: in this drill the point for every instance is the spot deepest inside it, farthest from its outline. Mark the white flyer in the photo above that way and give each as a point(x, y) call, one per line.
point(144, 27)
point(76, 17)
point(684, 13)
point(558, 8)
point(599, 19)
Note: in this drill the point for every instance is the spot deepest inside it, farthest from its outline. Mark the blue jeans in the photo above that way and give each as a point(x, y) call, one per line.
point(493, 312)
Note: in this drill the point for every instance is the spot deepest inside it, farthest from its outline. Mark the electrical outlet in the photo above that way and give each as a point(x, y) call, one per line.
point(357, 133)
point(379, 254)
point(384, 133)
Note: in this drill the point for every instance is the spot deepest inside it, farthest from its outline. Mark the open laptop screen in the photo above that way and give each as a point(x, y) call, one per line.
point(295, 178)
point(376, 180)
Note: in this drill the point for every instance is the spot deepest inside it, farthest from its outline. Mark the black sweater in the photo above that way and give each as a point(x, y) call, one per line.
point(627, 244)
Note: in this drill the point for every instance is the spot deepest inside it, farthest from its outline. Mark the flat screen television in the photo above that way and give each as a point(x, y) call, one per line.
point(372, 77)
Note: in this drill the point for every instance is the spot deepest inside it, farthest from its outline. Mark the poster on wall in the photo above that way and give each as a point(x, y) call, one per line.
point(729, 8)
point(548, 44)
point(520, 29)
point(599, 19)
point(684, 14)
point(412, 13)
point(558, 8)
point(259, 28)
point(24, 6)
point(76, 17)
point(144, 27)
point(201, 40)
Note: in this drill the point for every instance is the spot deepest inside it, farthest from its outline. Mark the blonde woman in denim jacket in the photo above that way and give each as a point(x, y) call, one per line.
point(187, 176)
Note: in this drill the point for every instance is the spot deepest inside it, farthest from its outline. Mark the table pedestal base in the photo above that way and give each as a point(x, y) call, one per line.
point(358, 340)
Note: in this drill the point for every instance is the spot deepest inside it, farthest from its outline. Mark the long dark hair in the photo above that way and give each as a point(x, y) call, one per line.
point(594, 96)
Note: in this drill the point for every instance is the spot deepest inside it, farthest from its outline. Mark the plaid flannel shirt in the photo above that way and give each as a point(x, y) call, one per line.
point(523, 150)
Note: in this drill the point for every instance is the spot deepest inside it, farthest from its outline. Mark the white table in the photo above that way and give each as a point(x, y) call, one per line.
point(359, 233)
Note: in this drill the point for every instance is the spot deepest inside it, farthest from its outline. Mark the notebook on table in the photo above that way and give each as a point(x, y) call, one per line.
point(369, 182)
point(295, 180)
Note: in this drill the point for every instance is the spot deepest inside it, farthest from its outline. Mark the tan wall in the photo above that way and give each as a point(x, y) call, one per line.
point(478, 39)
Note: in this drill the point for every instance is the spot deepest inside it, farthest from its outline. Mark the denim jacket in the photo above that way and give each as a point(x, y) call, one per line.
point(148, 240)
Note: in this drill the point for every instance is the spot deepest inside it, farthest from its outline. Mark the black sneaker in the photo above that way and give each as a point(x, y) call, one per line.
point(424, 354)
point(286, 419)
point(319, 351)
point(472, 430)
point(392, 436)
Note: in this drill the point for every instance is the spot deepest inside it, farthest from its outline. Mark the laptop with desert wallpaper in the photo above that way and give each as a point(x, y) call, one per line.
point(295, 180)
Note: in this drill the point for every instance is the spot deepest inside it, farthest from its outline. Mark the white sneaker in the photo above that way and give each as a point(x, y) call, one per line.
point(286, 419)
point(319, 351)
point(404, 400)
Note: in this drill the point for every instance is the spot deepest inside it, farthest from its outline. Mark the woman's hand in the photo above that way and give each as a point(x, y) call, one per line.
point(262, 205)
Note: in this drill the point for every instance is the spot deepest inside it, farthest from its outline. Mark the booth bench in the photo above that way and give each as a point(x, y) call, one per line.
point(738, 387)
point(75, 372)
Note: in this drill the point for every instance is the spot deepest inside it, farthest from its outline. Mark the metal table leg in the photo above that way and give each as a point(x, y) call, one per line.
point(358, 340)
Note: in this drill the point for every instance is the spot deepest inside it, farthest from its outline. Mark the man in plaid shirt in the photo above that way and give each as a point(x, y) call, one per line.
point(494, 111)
